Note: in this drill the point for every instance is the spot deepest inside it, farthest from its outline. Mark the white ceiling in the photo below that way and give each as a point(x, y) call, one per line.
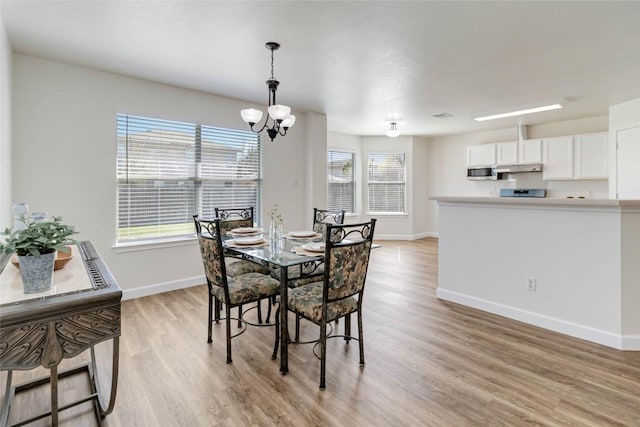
point(363, 64)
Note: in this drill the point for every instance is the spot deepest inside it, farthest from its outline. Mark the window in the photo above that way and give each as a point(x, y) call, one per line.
point(341, 188)
point(386, 182)
point(168, 171)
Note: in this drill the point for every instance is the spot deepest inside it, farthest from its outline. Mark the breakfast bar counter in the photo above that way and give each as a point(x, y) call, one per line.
point(542, 201)
point(569, 265)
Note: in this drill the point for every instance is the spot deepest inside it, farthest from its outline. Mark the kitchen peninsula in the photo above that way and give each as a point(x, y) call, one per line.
point(569, 265)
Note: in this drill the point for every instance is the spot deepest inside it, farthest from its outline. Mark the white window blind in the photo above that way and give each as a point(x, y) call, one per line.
point(341, 186)
point(386, 182)
point(168, 171)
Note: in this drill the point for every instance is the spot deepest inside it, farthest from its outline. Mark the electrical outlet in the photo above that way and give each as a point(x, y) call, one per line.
point(530, 283)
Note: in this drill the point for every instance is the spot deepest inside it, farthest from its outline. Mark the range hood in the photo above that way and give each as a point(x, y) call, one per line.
point(535, 167)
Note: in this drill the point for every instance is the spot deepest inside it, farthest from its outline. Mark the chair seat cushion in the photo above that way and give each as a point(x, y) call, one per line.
point(307, 300)
point(248, 288)
point(238, 267)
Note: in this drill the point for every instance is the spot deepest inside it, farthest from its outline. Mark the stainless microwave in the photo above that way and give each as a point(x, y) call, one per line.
point(479, 174)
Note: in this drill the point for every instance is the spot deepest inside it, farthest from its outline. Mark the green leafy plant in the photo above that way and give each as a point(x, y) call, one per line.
point(37, 237)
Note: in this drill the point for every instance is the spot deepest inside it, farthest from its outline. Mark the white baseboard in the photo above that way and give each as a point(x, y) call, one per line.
point(620, 342)
point(145, 291)
point(405, 236)
point(631, 342)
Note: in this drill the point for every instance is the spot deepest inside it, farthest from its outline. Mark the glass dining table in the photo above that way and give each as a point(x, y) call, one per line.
point(289, 255)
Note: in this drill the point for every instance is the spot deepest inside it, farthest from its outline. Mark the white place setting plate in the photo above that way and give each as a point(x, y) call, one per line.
point(313, 247)
point(302, 235)
point(245, 231)
point(248, 241)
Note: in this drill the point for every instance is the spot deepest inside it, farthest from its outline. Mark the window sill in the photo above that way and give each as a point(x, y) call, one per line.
point(398, 214)
point(155, 244)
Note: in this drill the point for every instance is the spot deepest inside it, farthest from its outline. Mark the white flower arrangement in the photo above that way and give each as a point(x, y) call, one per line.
point(275, 215)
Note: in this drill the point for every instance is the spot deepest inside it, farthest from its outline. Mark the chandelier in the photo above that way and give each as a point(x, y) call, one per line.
point(281, 117)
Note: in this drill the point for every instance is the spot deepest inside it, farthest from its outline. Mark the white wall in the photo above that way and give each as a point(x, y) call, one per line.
point(64, 134)
point(447, 163)
point(420, 180)
point(5, 129)
point(622, 117)
point(316, 170)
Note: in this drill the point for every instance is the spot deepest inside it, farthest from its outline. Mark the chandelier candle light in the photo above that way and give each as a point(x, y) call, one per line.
point(281, 116)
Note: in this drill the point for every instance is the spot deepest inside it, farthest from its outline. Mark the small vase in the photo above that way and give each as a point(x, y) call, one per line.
point(275, 231)
point(37, 272)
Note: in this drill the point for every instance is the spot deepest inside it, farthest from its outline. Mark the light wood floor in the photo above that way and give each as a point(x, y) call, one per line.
point(428, 363)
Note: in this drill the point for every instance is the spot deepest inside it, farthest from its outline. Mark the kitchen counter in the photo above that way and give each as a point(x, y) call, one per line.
point(543, 201)
point(568, 265)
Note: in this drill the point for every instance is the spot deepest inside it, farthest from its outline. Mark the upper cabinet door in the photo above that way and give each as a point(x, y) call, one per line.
point(483, 155)
point(507, 153)
point(558, 158)
point(530, 151)
point(591, 156)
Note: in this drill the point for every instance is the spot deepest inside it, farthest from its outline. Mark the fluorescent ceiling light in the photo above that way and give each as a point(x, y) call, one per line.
point(519, 112)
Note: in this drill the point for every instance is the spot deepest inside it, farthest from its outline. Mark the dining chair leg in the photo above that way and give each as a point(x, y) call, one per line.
point(347, 327)
point(228, 326)
point(360, 337)
point(210, 316)
point(297, 336)
point(269, 310)
point(239, 316)
point(277, 326)
point(217, 309)
point(259, 308)
point(323, 352)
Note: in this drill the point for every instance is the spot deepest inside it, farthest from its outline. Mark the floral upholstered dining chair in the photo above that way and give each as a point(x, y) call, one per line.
point(227, 290)
point(341, 290)
point(230, 219)
point(322, 217)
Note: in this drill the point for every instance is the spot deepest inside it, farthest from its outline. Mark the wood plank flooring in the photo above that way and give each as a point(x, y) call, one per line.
point(428, 363)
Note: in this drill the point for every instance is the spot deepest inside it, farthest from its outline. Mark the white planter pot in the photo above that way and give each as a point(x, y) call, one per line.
point(37, 272)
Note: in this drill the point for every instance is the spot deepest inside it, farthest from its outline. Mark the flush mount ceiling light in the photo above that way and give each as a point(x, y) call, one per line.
point(393, 131)
point(281, 117)
point(519, 112)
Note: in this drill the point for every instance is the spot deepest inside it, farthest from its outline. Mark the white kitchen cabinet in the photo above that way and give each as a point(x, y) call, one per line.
point(591, 156)
point(575, 157)
point(558, 158)
point(530, 151)
point(506, 153)
point(481, 155)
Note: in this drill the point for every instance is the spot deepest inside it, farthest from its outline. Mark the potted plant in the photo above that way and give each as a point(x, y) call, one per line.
point(36, 245)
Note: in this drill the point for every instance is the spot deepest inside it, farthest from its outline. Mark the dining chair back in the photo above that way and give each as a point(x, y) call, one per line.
point(340, 293)
point(235, 217)
point(231, 291)
point(322, 217)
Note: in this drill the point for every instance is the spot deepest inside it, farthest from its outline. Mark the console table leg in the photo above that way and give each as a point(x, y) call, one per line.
point(103, 409)
point(8, 398)
point(54, 396)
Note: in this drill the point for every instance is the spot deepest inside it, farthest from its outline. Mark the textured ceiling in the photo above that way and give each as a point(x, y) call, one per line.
point(361, 63)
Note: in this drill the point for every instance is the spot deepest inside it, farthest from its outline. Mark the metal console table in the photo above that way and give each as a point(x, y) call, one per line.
point(81, 310)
